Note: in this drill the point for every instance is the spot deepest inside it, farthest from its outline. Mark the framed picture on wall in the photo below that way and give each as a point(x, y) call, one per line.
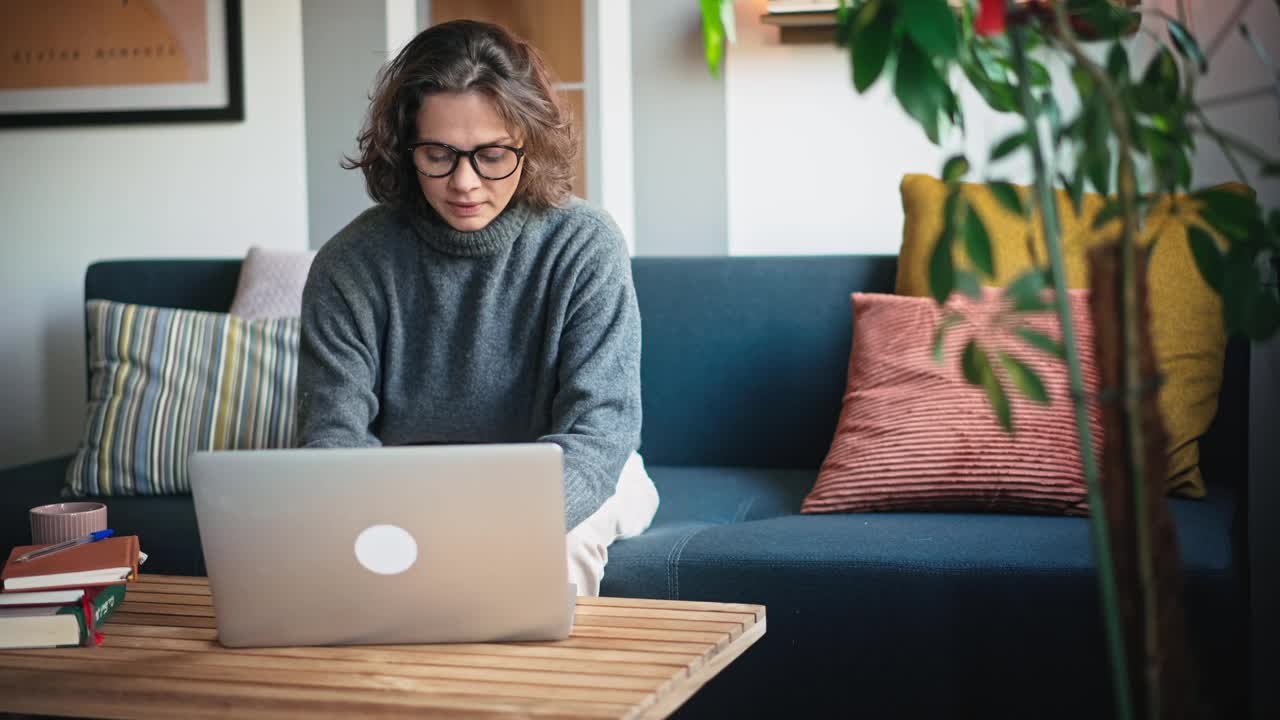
point(96, 62)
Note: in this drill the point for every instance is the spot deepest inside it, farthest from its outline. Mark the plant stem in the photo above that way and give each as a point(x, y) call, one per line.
point(1223, 145)
point(1131, 390)
point(1232, 21)
point(1097, 516)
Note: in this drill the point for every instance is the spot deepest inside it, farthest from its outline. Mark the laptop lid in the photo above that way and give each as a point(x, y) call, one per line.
point(462, 543)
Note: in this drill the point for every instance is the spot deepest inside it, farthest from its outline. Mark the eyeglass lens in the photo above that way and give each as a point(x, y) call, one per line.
point(489, 162)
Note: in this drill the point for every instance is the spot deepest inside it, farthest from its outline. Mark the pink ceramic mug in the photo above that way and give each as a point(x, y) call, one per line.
point(64, 521)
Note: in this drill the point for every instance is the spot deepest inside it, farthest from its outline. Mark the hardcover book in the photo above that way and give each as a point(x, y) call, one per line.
point(95, 564)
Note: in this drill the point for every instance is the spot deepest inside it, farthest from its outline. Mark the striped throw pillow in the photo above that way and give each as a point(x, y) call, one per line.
point(166, 382)
point(913, 435)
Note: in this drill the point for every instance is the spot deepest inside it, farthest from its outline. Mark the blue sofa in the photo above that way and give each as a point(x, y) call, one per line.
point(873, 615)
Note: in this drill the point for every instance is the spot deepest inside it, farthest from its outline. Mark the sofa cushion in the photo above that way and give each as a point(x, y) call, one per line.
point(271, 282)
point(892, 599)
point(1186, 314)
point(744, 357)
point(727, 494)
point(913, 435)
point(167, 382)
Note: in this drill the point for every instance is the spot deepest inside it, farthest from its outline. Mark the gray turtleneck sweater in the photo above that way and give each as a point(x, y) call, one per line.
point(526, 330)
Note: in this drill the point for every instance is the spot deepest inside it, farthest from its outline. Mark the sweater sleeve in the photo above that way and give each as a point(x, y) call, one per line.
point(596, 411)
point(337, 360)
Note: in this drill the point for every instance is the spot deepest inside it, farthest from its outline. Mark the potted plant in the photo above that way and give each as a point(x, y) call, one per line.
point(1130, 141)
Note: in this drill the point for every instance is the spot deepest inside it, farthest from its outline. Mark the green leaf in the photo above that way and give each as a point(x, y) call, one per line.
point(1185, 43)
point(919, 88)
point(1075, 190)
point(1109, 212)
point(977, 244)
point(1097, 161)
point(996, 395)
point(939, 335)
point(1038, 73)
point(1207, 255)
point(844, 25)
point(1083, 81)
point(1098, 20)
point(932, 26)
point(1000, 95)
point(1042, 342)
point(1008, 145)
point(967, 283)
point(955, 168)
point(1007, 196)
point(1024, 378)
point(1181, 168)
point(1249, 306)
point(1068, 185)
point(1227, 202)
point(1027, 291)
point(1118, 64)
point(942, 272)
point(1161, 80)
point(1161, 148)
point(1147, 99)
point(972, 362)
point(1273, 223)
point(713, 34)
point(951, 107)
point(1231, 213)
point(871, 46)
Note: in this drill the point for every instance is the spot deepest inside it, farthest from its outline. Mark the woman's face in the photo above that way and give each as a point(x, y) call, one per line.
point(465, 121)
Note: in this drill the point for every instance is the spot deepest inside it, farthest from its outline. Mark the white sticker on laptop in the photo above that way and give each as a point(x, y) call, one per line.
point(386, 549)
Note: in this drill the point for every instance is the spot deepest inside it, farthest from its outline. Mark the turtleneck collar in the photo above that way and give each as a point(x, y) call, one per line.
point(489, 240)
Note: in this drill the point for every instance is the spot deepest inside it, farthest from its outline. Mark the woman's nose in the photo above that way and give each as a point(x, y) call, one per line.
point(464, 177)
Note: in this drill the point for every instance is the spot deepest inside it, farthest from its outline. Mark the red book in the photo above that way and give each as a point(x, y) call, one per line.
point(96, 564)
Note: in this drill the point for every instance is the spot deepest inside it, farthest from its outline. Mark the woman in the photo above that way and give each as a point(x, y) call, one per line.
point(478, 301)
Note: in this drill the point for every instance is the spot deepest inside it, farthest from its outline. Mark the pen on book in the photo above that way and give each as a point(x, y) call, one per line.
point(64, 545)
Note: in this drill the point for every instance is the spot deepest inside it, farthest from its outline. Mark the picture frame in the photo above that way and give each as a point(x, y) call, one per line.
point(161, 61)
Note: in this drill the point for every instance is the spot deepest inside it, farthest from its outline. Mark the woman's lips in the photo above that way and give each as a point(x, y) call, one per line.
point(466, 209)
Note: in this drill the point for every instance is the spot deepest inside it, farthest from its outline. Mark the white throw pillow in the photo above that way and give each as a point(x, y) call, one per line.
point(271, 283)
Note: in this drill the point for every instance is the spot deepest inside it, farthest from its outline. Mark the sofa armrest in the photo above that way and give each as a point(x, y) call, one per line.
point(1264, 531)
point(22, 488)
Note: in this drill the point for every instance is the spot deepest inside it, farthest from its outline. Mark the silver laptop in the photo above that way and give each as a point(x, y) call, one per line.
point(460, 543)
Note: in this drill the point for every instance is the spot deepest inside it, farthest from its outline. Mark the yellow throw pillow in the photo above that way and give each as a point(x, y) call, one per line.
point(1186, 314)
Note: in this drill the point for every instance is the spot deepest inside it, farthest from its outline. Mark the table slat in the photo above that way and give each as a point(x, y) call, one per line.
point(625, 658)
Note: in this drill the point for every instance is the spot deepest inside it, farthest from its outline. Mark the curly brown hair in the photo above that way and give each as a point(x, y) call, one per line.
point(467, 56)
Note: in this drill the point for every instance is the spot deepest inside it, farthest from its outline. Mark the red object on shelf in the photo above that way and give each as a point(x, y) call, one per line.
point(991, 18)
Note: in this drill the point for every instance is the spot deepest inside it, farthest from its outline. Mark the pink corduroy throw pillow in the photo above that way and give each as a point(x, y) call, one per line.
point(914, 436)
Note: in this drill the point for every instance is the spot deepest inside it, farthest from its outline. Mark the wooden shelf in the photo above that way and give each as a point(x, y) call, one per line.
point(816, 27)
point(808, 19)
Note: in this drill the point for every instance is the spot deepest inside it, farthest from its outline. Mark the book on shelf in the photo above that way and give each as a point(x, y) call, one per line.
point(775, 7)
point(96, 564)
point(69, 624)
point(40, 597)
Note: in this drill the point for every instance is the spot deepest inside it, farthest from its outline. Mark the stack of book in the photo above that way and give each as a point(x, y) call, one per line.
point(60, 599)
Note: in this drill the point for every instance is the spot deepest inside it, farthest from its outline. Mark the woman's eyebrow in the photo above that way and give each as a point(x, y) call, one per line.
point(503, 140)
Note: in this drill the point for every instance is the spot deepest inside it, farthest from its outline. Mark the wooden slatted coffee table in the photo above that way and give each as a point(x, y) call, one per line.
point(625, 659)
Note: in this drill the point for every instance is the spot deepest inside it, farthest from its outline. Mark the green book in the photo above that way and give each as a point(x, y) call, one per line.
point(57, 625)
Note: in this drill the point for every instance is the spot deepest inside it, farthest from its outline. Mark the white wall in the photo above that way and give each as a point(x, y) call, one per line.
point(70, 196)
point(1235, 68)
point(813, 167)
point(610, 133)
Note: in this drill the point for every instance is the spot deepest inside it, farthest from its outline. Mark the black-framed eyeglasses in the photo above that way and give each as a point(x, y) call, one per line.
point(491, 162)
